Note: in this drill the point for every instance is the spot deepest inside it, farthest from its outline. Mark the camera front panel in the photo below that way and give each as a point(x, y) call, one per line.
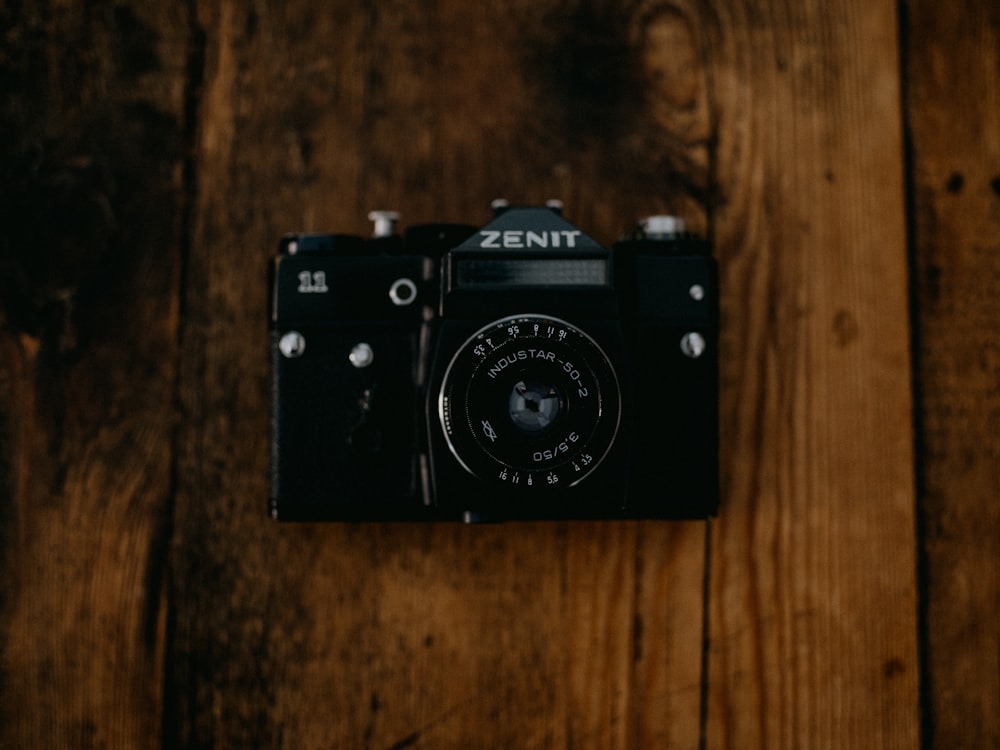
point(348, 343)
point(670, 314)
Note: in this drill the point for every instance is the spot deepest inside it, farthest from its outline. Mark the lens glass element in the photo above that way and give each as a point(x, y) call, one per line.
point(534, 407)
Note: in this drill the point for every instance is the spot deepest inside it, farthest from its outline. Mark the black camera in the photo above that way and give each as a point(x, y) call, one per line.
point(517, 370)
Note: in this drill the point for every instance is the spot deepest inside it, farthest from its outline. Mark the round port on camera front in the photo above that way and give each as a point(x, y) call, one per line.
point(402, 292)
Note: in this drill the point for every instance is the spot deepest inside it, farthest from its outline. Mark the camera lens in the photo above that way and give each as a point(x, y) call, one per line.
point(530, 401)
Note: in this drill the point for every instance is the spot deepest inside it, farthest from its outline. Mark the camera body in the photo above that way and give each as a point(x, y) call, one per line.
point(517, 370)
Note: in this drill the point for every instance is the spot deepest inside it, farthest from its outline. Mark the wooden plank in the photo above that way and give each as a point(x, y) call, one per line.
point(92, 151)
point(813, 605)
point(521, 635)
point(953, 116)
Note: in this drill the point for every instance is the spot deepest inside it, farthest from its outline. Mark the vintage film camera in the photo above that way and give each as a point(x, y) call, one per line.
point(513, 371)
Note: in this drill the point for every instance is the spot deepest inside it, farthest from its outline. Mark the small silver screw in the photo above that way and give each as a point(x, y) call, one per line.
point(385, 223)
point(693, 345)
point(292, 344)
point(362, 355)
point(697, 292)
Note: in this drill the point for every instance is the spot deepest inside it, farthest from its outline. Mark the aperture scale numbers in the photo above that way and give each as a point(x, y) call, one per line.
point(552, 477)
point(513, 331)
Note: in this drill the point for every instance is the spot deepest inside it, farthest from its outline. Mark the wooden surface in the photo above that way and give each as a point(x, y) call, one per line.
point(844, 159)
point(953, 116)
point(813, 564)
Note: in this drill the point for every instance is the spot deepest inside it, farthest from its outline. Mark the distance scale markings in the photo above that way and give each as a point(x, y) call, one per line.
point(481, 431)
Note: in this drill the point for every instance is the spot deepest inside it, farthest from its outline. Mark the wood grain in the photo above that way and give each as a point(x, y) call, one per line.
point(813, 601)
point(953, 115)
point(93, 123)
point(150, 157)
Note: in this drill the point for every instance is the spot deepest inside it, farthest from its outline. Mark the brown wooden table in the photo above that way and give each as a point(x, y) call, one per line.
point(844, 159)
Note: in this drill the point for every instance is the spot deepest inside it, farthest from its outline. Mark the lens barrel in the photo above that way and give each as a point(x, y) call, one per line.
point(530, 401)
